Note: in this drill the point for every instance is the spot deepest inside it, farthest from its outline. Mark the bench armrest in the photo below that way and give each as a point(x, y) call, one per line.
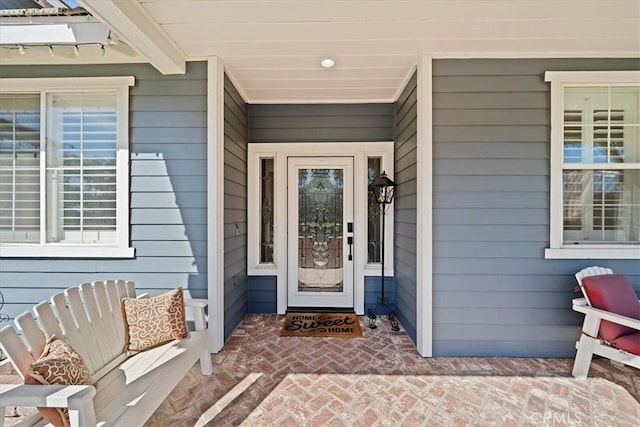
point(48, 396)
point(197, 306)
point(607, 315)
point(77, 398)
point(196, 302)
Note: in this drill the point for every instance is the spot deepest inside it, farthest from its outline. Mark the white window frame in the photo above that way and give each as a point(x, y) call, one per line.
point(120, 84)
point(559, 81)
point(360, 151)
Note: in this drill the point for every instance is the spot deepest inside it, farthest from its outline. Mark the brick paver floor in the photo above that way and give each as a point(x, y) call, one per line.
point(262, 379)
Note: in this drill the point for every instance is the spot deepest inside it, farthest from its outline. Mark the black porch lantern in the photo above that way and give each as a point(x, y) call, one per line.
point(383, 192)
point(384, 189)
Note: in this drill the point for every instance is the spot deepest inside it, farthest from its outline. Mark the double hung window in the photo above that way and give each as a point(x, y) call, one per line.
point(64, 167)
point(595, 165)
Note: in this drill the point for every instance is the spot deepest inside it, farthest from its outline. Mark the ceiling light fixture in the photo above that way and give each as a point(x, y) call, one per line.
point(327, 63)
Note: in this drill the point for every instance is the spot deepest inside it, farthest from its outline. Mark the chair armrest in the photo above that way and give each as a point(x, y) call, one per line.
point(580, 301)
point(196, 302)
point(49, 396)
point(197, 306)
point(607, 315)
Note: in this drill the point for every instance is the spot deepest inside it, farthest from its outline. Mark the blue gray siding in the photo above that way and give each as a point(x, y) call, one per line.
point(235, 207)
point(493, 291)
point(321, 123)
point(373, 290)
point(262, 294)
point(168, 143)
point(406, 169)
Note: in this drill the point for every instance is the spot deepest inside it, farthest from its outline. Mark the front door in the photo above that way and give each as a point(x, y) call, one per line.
point(320, 232)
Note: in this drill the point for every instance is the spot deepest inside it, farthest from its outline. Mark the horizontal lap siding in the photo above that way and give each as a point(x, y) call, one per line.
point(321, 123)
point(493, 292)
point(405, 206)
point(235, 207)
point(262, 294)
point(168, 183)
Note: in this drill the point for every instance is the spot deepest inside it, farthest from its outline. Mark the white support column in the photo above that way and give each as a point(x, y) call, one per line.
point(424, 250)
point(215, 201)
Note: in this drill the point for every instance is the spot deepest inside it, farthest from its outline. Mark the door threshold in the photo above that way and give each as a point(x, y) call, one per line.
point(320, 310)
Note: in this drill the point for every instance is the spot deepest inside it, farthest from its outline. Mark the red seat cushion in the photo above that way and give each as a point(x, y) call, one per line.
point(629, 343)
point(613, 293)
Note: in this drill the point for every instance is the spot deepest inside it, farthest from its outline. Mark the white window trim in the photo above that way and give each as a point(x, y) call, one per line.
point(559, 80)
point(121, 84)
point(279, 152)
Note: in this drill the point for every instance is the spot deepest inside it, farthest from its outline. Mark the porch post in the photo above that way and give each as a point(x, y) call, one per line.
point(424, 250)
point(215, 202)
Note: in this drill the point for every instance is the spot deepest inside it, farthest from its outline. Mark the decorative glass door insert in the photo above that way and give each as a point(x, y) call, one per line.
point(320, 209)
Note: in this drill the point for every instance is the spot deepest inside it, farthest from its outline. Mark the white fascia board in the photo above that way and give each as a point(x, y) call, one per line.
point(36, 34)
point(132, 23)
point(47, 30)
point(74, 33)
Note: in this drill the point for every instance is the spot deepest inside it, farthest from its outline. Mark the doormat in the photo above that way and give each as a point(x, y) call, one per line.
point(338, 325)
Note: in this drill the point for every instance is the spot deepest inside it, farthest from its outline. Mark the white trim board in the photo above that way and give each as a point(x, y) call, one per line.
point(424, 226)
point(215, 202)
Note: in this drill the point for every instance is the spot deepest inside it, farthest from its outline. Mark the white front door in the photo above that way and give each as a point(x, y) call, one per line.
point(320, 232)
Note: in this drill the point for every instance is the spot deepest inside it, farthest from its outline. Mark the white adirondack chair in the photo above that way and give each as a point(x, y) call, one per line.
point(590, 341)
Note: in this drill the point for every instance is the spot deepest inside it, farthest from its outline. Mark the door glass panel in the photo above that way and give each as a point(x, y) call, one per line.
point(320, 221)
point(266, 209)
point(373, 212)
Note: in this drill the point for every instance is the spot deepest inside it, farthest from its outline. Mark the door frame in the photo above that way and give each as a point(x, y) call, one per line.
point(279, 152)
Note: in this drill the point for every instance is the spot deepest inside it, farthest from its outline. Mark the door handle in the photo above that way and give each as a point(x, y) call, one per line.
point(350, 243)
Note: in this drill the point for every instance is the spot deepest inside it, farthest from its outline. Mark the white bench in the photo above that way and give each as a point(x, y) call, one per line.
point(127, 389)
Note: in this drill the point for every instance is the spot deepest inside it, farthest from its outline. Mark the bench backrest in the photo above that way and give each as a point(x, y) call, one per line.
point(89, 317)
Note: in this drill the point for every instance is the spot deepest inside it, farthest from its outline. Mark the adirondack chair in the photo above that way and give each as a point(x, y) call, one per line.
point(611, 326)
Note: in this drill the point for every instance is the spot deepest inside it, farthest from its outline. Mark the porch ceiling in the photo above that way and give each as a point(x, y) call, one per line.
point(272, 48)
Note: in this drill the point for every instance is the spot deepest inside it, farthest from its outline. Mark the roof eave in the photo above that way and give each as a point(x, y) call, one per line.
point(139, 31)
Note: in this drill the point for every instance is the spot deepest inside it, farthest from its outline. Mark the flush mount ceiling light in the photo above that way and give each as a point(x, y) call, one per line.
point(327, 62)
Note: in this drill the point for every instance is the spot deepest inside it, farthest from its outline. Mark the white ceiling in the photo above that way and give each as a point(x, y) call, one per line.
point(272, 48)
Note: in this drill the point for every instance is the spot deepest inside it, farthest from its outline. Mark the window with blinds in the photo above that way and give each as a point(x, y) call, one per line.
point(81, 167)
point(78, 164)
point(20, 168)
point(601, 180)
point(64, 167)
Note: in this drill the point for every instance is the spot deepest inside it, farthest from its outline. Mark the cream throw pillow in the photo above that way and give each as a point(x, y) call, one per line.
point(154, 321)
point(59, 364)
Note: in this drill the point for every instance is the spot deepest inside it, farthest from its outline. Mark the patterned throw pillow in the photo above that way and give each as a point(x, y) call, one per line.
point(58, 364)
point(154, 321)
